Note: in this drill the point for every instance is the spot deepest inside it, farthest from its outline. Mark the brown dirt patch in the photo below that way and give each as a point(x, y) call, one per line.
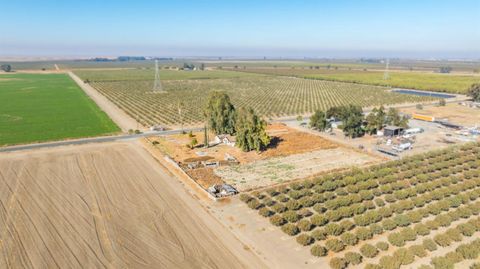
point(292, 141)
point(205, 177)
point(455, 113)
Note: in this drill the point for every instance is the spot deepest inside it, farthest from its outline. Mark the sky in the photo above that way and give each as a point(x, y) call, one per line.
point(247, 28)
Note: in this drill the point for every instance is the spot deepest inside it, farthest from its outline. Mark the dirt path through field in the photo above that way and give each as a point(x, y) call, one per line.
point(105, 206)
point(122, 119)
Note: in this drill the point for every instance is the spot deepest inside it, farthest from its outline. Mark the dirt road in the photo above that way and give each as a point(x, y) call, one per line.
point(105, 206)
point(124, 121)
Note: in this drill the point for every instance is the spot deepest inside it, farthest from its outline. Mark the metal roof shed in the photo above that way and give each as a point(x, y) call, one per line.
point(392, 130)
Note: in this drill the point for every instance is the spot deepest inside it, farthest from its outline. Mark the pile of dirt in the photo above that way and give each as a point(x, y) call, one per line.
point(205, 177)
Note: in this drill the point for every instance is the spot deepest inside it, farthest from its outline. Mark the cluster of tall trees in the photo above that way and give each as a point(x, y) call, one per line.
point(474, 92)
point(6, 67)
point(223, 118)
point(354, 123)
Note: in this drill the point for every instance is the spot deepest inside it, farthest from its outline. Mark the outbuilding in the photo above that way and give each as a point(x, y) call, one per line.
point(391, 130)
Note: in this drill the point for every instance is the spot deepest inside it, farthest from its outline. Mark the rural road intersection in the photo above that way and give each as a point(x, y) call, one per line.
point(94, 140)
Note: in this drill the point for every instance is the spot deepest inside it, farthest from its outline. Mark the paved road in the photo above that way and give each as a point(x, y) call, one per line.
point(102, 139)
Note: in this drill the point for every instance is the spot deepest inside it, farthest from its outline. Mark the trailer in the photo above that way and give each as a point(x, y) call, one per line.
point(416, 116)
point(412, 131)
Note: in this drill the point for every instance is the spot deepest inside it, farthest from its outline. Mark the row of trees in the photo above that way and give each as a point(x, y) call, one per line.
point(354, 123)
point(189, 66)
point(223, 118)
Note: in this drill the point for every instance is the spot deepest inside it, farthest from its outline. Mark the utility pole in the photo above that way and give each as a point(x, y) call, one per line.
point(386, 75)
point(157, 85)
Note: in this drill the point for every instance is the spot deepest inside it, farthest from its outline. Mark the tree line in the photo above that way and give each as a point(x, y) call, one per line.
point(354, 123)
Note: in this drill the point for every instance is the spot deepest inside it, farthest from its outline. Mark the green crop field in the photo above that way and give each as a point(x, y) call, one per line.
point(45, 107)
point(452, 83)
point(270, 96)
point(422, 209)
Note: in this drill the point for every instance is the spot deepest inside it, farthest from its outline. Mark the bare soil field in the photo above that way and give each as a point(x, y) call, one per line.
point(105, 206)
point(454, 113)
point(282, 169)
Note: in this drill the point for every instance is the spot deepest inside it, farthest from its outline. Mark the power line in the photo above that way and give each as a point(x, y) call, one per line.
point(157, 85)
point(386, 75)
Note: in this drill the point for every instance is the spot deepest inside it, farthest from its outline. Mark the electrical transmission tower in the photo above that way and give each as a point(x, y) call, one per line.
point(157, 85)
point(386, 75)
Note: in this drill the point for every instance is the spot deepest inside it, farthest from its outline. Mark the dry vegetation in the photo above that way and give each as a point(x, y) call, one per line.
point(286, 142)
point(454, 113)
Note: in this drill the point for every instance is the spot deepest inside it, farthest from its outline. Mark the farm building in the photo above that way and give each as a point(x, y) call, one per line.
point(392, 131)
point(222, 190)
point(225, 139)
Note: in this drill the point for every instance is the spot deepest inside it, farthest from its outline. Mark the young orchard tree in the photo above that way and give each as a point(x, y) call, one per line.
point(474, 92)
point(193, 142)
point(251, 134)
point(318, 121)
point(220, 113)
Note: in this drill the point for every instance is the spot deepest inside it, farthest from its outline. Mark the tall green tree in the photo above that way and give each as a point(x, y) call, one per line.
point(205, 137)
point(251, 134)
point(220, 113)
point(335, 111)
point(375, 120)
point(6, 67)
point(474, 92)
point(352, 121)
point(394, 118)
point(319, 121)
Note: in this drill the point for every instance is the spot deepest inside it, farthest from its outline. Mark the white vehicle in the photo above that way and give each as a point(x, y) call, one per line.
point(412, 131)
point(402, 147)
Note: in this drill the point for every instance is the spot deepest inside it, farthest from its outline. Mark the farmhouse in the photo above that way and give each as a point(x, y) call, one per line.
point(225, 139)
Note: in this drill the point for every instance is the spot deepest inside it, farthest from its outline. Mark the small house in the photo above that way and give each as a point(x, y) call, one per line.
point(225, 139)
point(222, 190)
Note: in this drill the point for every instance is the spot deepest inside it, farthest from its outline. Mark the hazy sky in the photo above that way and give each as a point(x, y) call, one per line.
point(365, 28)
